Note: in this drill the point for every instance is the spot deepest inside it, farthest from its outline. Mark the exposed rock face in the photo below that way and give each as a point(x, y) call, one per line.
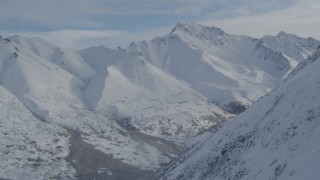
point(234, 108)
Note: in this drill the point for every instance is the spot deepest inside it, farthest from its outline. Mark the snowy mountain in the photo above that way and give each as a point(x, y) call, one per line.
point(130, 111)
point(30, 148)
point(109, 103)
point(277, 138)
point(295, 48)
point(232, 71)
point(130, 85)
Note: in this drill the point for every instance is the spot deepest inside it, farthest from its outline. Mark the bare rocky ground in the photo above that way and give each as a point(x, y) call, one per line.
point(166, 147)
point(91, 163)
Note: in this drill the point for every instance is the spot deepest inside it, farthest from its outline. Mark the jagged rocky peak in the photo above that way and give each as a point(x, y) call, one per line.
point(309, 41)
point(282, 33)
point(289, 36)
point(196, 29)
point(293, 46)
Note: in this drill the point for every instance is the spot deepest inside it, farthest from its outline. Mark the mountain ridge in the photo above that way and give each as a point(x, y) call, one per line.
point(215, 53)
point(141, 105)
point(274, 139)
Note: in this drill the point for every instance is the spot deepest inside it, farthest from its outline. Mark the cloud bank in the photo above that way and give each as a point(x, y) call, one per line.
point(82, 23)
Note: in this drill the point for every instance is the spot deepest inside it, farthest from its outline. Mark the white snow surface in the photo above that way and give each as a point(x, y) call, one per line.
point(128, 103)
point(224, 68)
point(105, 97)
point(277, 138)
point(30, 148)
point(151, 97)
point(293, 47)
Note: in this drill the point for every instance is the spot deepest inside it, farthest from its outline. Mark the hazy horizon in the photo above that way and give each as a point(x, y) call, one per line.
point(82, 24)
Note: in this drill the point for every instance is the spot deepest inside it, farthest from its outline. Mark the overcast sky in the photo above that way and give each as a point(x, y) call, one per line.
point(82, 23)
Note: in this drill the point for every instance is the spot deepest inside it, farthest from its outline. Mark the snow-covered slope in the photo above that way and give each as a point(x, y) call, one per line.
point(30, 149)
point(232, 71)
point(130, 110)
point(105, 81)
point(295, 48)
point(277, 138)
point(65, 58)
point(45, 88)
point(111, 101)
point(130, 85)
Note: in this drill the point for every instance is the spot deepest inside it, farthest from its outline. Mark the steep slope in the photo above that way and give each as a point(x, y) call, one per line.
point(232, 71)
point(277, 138)
point(295, 48)
point(130, 111)
point(65, 58)
point(125, 112)
point(107, 82)
point(46, 89)
point(30, 149)
point(155, 102)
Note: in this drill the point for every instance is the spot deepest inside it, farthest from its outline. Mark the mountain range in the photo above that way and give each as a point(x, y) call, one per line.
point(275, 139)
point(132, 110)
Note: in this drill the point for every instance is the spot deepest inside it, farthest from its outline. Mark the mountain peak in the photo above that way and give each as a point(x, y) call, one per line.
point(182, 26)
point(192, 28)
point(190, 32)
point(282, 33)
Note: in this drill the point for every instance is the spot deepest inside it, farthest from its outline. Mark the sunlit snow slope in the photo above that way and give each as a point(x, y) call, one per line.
point(277, 138)
point(295, 48)
point(123, 106)
point(155, 102)
point(232, 71)
point(30, 148)
point(130, 110)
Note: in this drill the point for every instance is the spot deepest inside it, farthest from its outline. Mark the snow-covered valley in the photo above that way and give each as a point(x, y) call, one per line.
point(124, 113)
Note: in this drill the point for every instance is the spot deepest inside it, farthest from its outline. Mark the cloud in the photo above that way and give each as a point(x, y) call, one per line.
point(79, 39)
point(47, 14)
point(82, 23)
point(83, 38)
point(28, 15)
point(302, 18)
